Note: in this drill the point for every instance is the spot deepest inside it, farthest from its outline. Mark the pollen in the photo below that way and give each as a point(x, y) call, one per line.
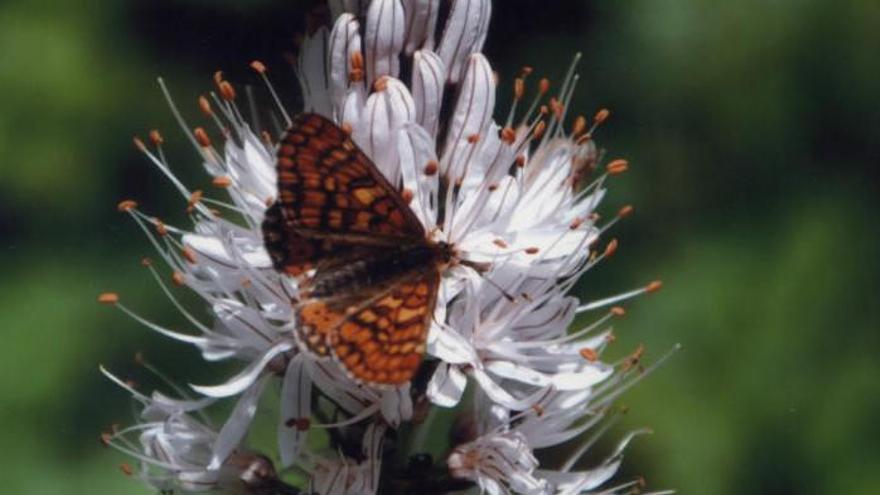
point(108, 298)
point(126, 205)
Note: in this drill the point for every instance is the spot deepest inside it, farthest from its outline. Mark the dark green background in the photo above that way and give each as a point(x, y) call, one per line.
point(752, 129)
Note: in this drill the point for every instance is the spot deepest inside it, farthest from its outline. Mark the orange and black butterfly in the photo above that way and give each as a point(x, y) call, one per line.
point(368, 272)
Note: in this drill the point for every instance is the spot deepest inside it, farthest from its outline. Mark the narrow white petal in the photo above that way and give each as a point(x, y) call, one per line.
point(447, 385)
point(384, 38)
point(237, 425)
point(464, 34)
point(296, 403)
point(471, 117)
point(421, 20)
point(344, 43)
point(246, 377)
point(427, 89)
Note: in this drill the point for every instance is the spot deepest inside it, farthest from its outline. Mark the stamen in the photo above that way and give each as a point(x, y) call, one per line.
point(109, 298)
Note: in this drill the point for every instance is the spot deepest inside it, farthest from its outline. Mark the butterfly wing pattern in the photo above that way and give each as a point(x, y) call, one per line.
point(368, 274)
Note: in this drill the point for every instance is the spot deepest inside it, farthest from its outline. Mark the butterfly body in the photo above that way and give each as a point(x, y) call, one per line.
point(367, 271)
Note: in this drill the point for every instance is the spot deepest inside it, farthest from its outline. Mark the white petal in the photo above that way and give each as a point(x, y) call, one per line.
point(427, 89)
point(447, 385)
point(384, 38)
point(296, 403)
point(236, 426)
point(421, 19)
point(344, 42)
point(416, 149)
point(464, 34)
point(471, 117)
point(397, 405)
point(312, 71)
point(386, 112)
point(448, 345)
point(246, 377)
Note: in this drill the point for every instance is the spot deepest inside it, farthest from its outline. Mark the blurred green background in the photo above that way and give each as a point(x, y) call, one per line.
point(753, 130)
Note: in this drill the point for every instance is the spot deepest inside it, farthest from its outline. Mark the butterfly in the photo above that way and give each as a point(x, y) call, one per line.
point(367, 271)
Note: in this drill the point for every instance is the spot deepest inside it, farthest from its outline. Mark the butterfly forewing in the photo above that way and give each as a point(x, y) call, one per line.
point(369, 275)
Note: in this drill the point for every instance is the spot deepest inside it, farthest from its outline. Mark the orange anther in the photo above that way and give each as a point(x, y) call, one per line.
point(576, 223)
point(347, 129)
point(205, 106)
point(189, 254)
point(126, 205)
point(611, 248)
point(407, 195)
point(126, 469)
point(508, 135)
point(532, 250)
point(589, 354)
point(519, 88)
point(625, 211)
point(106, 438)
point(161, 229)
point(194, 198)
point(108, 298)
point(601, 115)
point(539, 129)
point(381, 84)
point(544, 86)
point(618, 166)
point(258, 66)
point(357, 60)
point(146, 262)
point(222, 181)
point(654, 286)
point(202, 137)
point(227, 91)
point(520, 160)
point(156, 137)
point(178, 279)
point(500, 243)
point(473, 138)
point(432, 167)
point(579, 126)
point(618, 311)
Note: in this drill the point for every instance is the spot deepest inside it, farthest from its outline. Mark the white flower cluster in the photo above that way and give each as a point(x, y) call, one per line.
point(516, 196)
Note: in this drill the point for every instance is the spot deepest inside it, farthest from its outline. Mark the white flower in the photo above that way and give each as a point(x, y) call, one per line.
point(510, 195)
point(175, 449)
